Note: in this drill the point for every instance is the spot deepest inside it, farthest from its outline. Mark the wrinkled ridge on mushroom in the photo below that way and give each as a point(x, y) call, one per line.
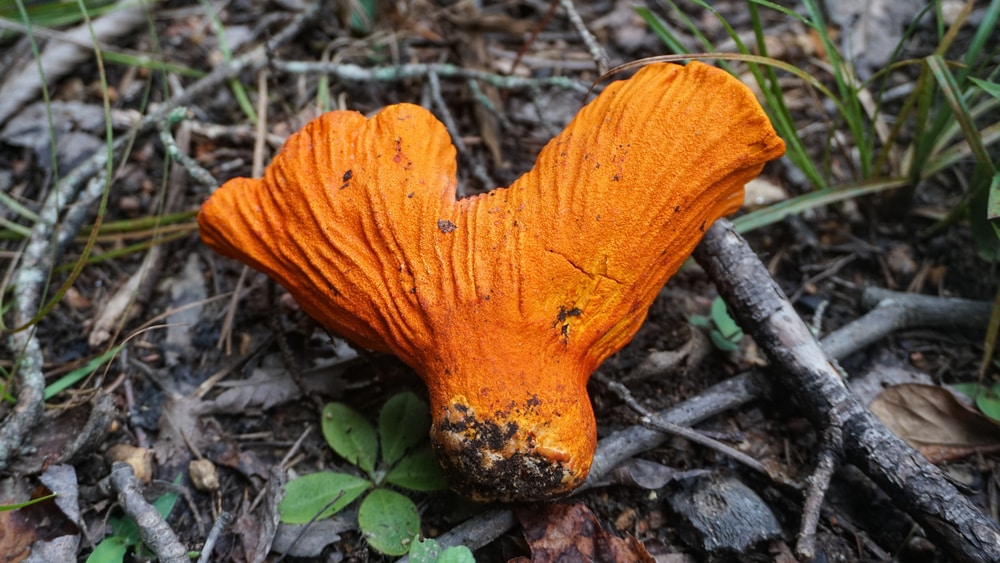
point(504, 303)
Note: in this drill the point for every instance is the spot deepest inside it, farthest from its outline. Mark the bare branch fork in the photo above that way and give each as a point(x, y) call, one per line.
point(851, 432)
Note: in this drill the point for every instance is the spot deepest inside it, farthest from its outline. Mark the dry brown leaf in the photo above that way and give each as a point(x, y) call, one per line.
point(119, 309)
point(571, 532)
point(21, 528)
point(761, 192)
point(267, 388)
point(934, 421)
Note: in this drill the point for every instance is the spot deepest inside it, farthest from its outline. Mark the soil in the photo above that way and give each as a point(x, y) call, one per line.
point(158, 379)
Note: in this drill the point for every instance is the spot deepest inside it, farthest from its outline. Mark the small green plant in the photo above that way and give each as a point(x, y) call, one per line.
point(389, 520)
point(987, 398)
point(125, 534)
point(428, 551)
point(725, 333)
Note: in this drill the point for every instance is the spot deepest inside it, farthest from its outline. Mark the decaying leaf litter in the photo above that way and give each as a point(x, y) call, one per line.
point(162, 387)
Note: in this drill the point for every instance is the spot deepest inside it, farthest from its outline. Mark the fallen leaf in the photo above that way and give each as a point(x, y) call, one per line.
point(761, 192)
point(309, 540)
point(571, 532)
point(62, 548)
point(52, 444)
point(121, 306)
point(20, 528)
point(648, 474)
point(256, 530)
point(186, 290)
point(181, 431)
point(885, 371)
point(267, 388)
point(61, 480)
point(934, 421)
point(875, 28)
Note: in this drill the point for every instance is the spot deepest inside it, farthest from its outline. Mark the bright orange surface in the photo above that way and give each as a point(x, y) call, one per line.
point(509, 300)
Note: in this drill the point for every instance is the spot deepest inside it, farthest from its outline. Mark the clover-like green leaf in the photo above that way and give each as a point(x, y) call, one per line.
point(429, 551)
point(403, 423)
point(389, 521)
point(324, 493)
point(350, 435)
point(418, 471)
point(726, 325)
point(989, 403)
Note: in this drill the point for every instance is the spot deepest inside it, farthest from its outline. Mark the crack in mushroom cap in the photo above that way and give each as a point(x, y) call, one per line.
point(506, 302)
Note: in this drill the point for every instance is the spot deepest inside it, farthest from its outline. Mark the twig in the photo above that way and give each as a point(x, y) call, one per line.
point(478, 171)
point(596, 52)
point(195, 170)
point(827, 462)
point(893, 311)
point(77, 213)
point(656, 422)
point(37, 260)
point(295, 447)
point(800, 366)
point(155, 533)
point(355, 73)
point(630, 442)
point(213, 536)
point(233, 133)
point(225, 341)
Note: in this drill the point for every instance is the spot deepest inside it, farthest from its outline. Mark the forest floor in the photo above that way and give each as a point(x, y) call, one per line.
point(159, 352)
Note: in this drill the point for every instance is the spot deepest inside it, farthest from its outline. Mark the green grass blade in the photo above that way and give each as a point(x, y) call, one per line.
point(819, 198)
point(958, 152)
point(127, 250)
point(956, 101)
point(239, 92)
point(990, 88)
point(12, 204)
point(987, 29)
point(19, 230)
point(80, 373)
point(662, 31)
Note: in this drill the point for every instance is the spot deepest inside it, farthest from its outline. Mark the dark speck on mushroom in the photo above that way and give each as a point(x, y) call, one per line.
point(446, 226)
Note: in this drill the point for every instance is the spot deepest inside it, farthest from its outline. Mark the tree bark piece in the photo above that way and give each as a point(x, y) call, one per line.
point(800, 366)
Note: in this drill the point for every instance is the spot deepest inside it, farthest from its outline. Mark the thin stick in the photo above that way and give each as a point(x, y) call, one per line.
point(213, 536)
point(819, 482)
point(596, 52)
point(153, 530)
point(355, 73)
point(652, 420)
point(434, 84)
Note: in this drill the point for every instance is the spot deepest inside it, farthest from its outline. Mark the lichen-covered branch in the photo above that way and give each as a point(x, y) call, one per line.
point(799, 365)
point(155, 533)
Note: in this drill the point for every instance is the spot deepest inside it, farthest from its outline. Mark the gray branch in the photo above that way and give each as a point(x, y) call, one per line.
point(799, 365)
point(153, 530)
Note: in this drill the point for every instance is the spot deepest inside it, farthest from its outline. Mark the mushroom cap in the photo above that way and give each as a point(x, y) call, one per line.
point(506, 302)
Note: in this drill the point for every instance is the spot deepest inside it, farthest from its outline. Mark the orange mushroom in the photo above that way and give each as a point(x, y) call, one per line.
point(506, 302)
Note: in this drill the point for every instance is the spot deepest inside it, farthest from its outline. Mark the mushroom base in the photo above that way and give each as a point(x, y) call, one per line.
point(495, 457)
